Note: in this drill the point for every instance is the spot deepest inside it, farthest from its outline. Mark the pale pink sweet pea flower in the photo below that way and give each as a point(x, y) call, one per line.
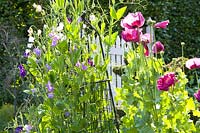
point(165, 81)
point(157, 47)
point(193, 63)
point(133, 20)
point(130, 35)
point(162, 25)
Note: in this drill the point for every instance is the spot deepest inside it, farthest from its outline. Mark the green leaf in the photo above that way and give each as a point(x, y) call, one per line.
point(120, 12)
point(113, 13)
point(110, 40)
point(103, 25)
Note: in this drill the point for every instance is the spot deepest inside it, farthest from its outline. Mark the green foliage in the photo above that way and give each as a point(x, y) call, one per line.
point(6, 115)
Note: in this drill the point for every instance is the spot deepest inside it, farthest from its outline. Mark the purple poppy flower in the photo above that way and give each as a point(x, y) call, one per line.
point(18, 129)
point(22, 71)
point(50, 95)
point(37, 51)
point(49, 87)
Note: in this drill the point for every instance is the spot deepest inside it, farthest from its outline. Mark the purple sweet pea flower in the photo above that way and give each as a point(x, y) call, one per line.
point(67, 114)
point(48, 67)
point(50, 95)
point(28, 128)
point(18, 129)
point(90, 62)
point(49, 87)
point(78, 64)
point(84, 67)
point(54, 40)
point(37, 51)
point(22, 71)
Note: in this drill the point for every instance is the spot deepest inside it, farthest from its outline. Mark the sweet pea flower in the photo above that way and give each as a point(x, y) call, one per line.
point(78, 64)
point(133, 20)
point(49, 87)
point(193, 63)
point(18, 129)
point(164, 82)
point(162, 25)
point(157, 47)
point(31, 39)
point(22, 71)
point(84, 67)
point(67, 114)
point(48, 67)
point(29, 45)
point(28, 128)
point(90, 62)
point(130, 35)
point(197, 95)
point(50, 95)
point(37, 51)
point(27, 52)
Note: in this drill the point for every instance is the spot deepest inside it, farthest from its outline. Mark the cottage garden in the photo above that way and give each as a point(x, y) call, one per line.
point(70, 86)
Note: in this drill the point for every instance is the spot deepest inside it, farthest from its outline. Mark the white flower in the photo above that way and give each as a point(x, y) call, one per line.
point(39, 32)
point(84, 26)
point(92, 17)
point(45, 26)
point(29, 45)
point(27, 51)
point(60, 27)
point(31, 39)
point(30, 31)
point(38, 8)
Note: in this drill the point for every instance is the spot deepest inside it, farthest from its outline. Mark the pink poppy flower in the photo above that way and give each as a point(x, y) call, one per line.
point(157, 47)
point(193, 63)
point(145, 38)
point(146, 50)
point(130, 35)
point(133, 20)
point(197, 95)
point(165, 81)
point(162, 24)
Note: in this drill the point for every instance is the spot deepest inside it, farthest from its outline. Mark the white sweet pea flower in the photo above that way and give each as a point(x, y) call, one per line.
point(84, 26)
point(60, 27)
point(29, 45)
point(37, 7)
point(92, 17)
point(39, 32)
point(30, 31)
point(31, 39)
point(45, 26)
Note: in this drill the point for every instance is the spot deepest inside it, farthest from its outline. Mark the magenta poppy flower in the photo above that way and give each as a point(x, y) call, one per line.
point(146, 52)
point(165, 81)
point(133, 20)
point(197, 95)
point(162, 25)
point(193, 63)
point(130, 35)
point(157, 47)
